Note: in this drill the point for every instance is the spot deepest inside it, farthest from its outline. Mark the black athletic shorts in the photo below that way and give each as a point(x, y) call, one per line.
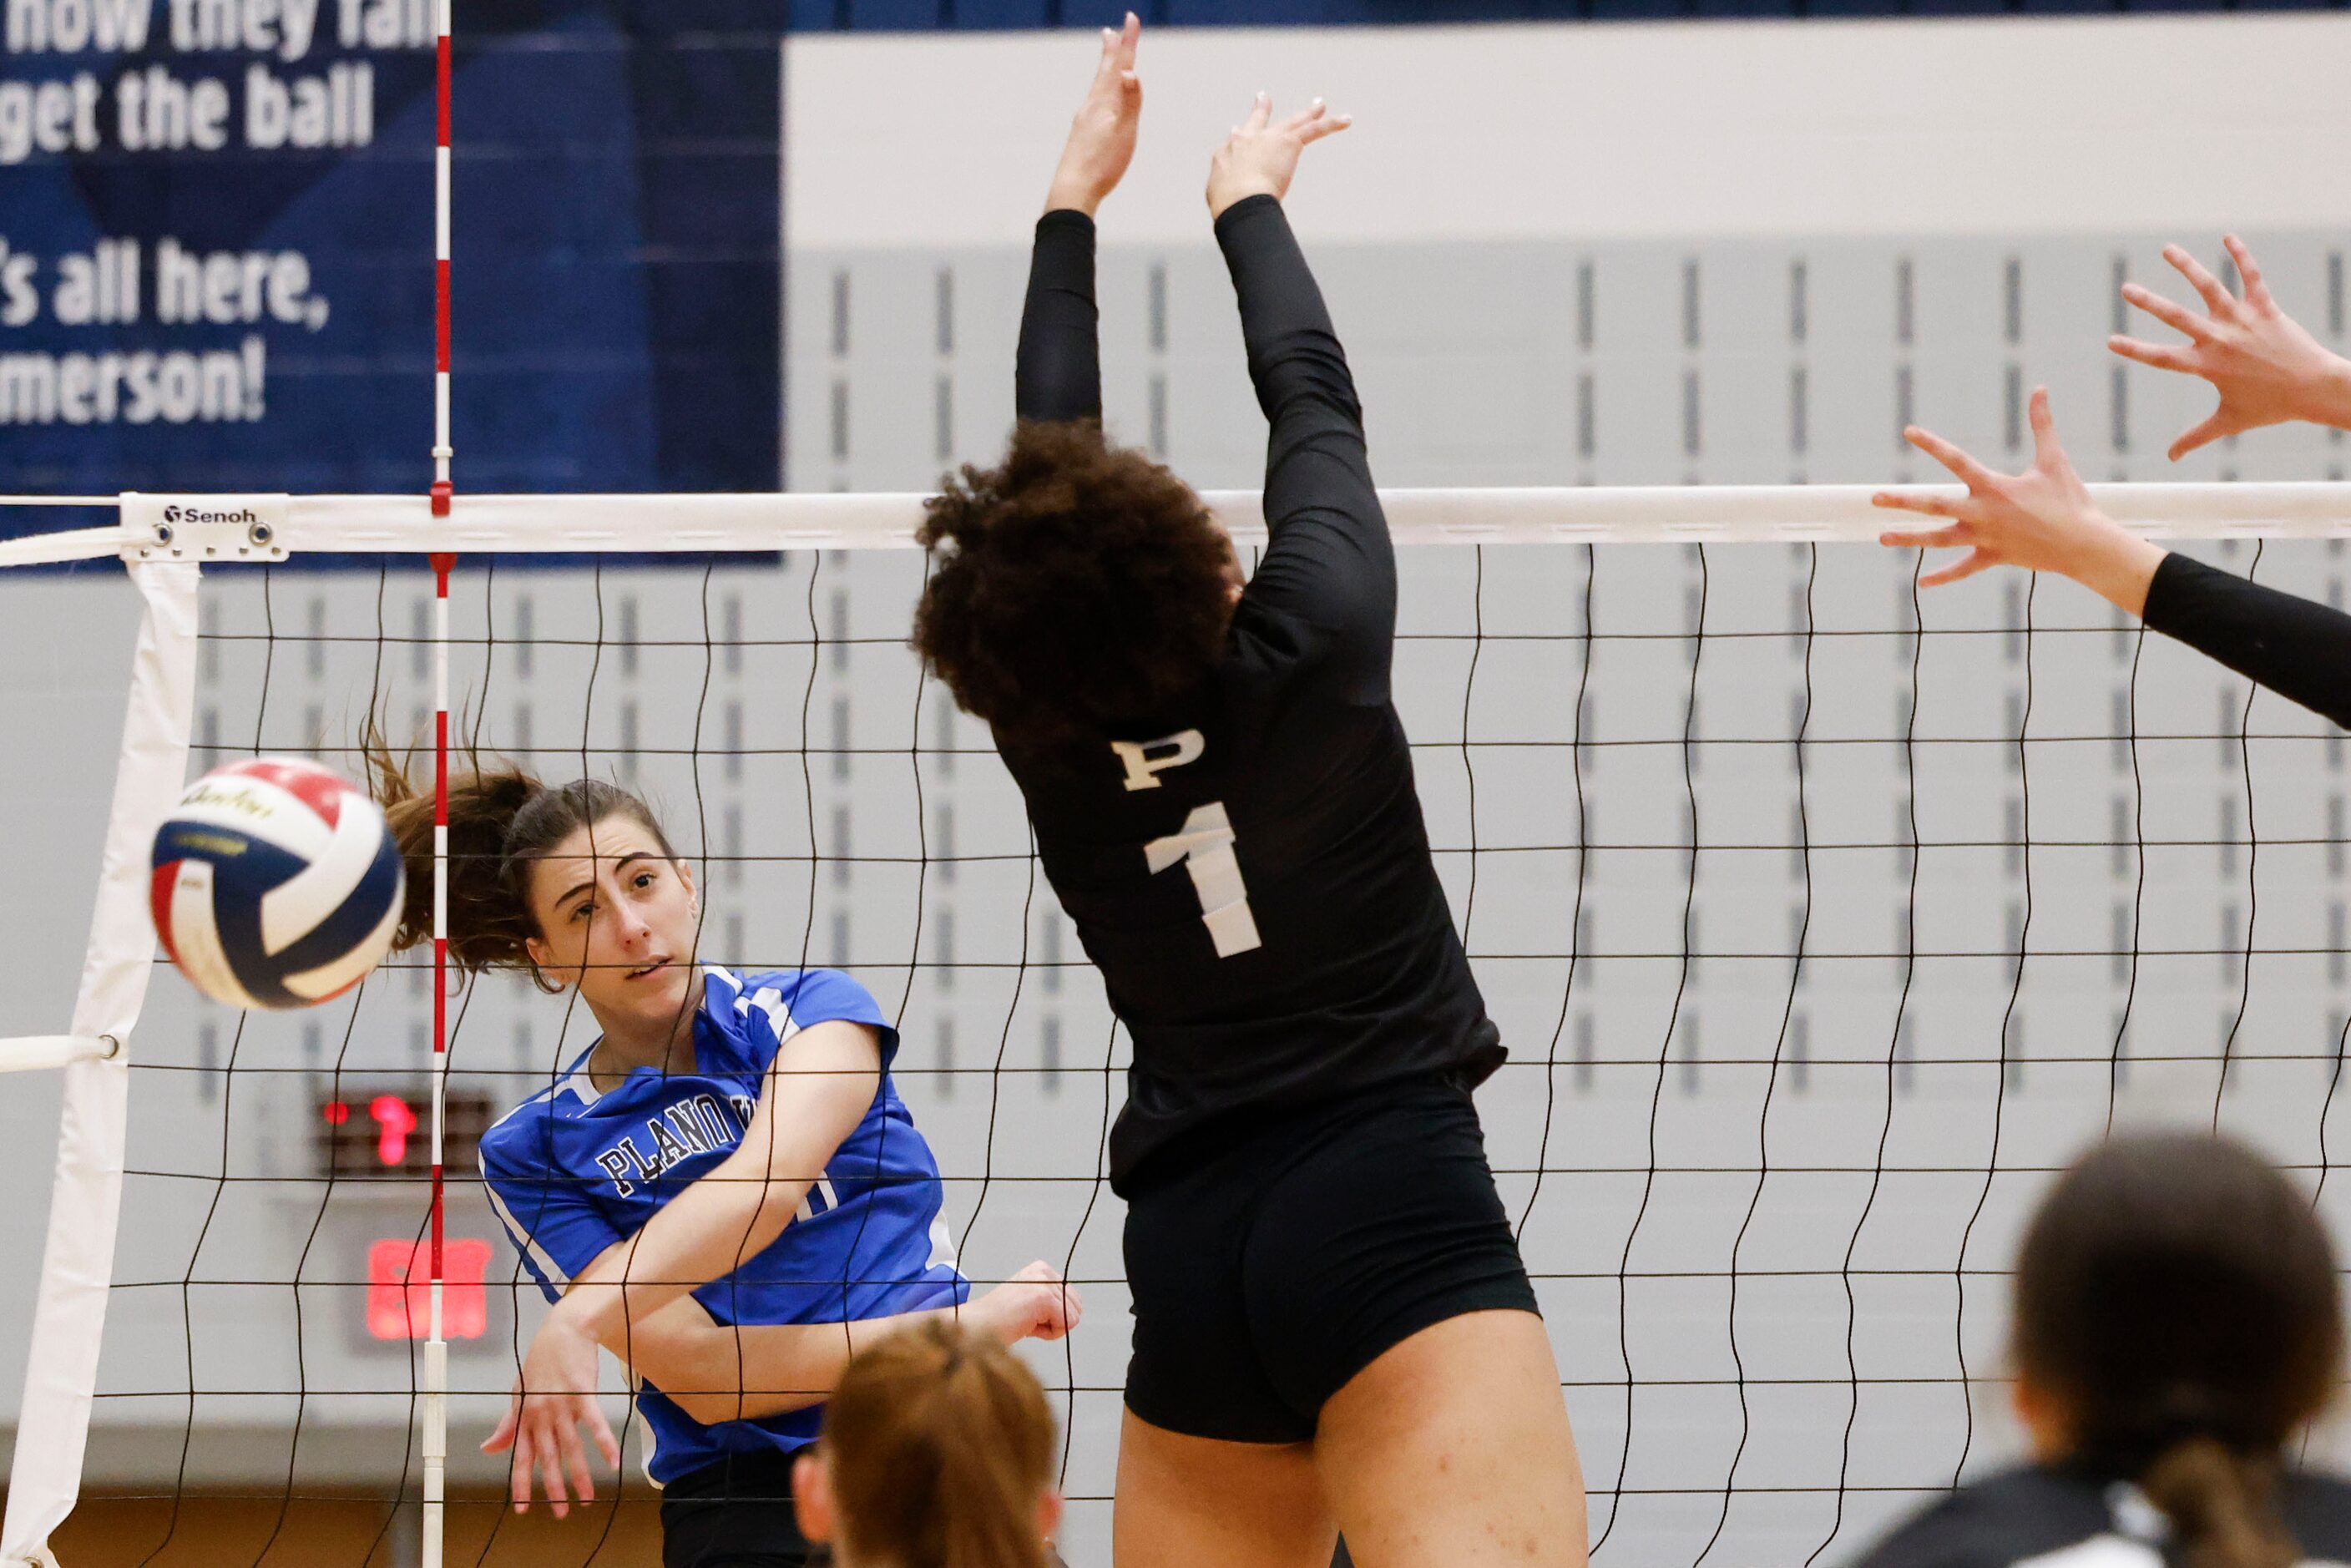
point(1274, 1254)
point(736, 1513)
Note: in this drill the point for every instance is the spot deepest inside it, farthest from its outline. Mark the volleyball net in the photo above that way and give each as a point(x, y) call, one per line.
point(1824, 919)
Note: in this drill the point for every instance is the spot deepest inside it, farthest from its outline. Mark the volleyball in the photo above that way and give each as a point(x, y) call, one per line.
point(277, 883)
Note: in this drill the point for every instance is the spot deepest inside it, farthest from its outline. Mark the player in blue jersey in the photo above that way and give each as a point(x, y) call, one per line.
point(725, 1190)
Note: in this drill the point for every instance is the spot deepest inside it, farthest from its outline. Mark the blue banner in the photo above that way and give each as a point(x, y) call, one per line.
point(217, 245)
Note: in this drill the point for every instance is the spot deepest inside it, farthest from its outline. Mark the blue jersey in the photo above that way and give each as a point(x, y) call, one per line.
point(570, 1171)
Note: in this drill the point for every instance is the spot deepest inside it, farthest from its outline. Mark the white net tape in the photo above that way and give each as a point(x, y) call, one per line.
point(1724, 514)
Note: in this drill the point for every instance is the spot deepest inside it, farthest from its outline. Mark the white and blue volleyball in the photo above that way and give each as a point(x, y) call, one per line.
point(277, 883)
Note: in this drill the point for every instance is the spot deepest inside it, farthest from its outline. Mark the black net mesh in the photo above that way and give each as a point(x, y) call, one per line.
point(1823, 920)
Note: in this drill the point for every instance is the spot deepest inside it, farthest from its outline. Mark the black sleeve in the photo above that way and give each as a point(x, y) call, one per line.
point(2299, 649)
point(1058, 374)
point(1330, 563)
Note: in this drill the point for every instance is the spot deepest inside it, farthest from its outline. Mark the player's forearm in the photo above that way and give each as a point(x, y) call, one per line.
point(1057, 372)
point(1315, 457)
point(1294, 357)
point(746, 1371)
point(2106, 557)
point(2296, 648)
point(817, 1090)
point(733, 1212)
point(1330, 561)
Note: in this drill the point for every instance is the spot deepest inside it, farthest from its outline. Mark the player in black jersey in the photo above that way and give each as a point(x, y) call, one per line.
point(2177, 1322)
point(2267, 370)
point(1332, 1327)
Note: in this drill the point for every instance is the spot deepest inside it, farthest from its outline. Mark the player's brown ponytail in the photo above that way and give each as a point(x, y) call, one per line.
point(501, 819)
point(940, 1445)
point(2222, 1506)
point(2178, 1297)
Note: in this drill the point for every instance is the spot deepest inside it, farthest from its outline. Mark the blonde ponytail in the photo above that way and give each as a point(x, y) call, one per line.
point(939, 1445)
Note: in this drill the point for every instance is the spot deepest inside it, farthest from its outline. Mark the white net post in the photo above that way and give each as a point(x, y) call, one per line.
point(78, 1263)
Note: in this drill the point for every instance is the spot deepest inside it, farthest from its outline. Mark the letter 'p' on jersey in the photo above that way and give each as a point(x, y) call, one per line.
point(1144, 761)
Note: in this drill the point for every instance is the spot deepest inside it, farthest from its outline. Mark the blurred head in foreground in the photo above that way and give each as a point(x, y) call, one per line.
point(938, 1453)
point(2177, 1322)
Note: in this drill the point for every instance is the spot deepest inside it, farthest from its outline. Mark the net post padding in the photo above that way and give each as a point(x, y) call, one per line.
point(78, 1263)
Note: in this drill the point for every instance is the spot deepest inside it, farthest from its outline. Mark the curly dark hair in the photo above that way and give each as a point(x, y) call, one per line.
point(1078, 587)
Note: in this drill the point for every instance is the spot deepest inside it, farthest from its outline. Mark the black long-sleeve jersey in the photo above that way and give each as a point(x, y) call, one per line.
point(2300, 650)
point(1253, 877)
point(2062, 1517)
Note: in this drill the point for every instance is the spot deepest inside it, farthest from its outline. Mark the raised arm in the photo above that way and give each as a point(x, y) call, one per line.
point(2296, 648)
point(1330, 561)
point(1058, 374)
point(2044, 520)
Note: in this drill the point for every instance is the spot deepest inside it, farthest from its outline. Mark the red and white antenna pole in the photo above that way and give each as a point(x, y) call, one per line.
point(442, 451)
point(436, 1349)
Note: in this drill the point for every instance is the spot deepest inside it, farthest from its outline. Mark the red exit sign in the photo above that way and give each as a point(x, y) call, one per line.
point(400, 1288)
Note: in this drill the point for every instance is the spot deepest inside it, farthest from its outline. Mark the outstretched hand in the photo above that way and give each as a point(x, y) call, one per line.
point(2042, 519)
point(554, 1397)
point(2265, 367)
point(1102, 137)
point(1260, 157)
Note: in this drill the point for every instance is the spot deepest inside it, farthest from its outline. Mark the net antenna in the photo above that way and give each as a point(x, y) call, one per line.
point(436, 1348)
point(77, 1267)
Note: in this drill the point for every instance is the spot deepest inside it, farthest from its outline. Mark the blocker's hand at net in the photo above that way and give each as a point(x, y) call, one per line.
point(2265, 367)
point(553, 1399)
point(1102, 137)
point(1260, 156)
point(2041, 519)
point(1035, 1304)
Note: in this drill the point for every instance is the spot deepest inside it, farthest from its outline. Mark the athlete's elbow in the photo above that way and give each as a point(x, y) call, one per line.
point(744, 1404)
point(760, 1407)
point(710, 1410)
